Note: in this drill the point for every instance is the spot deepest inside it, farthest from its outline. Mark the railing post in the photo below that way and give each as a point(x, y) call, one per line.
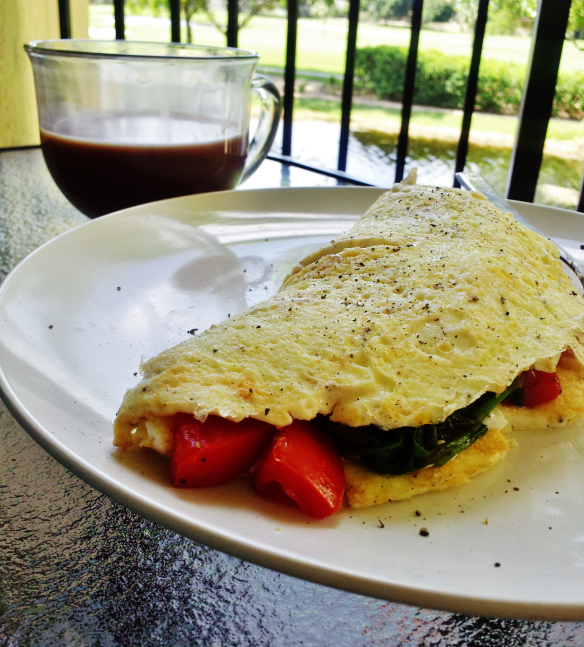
point(348, 84)
point(471, 87)
point(232, 22)
point(408, 95)
point(64, 18)
point(538, 97)
point(119, 20)
point(174, 20)
point(289, 77)
point(580, 205)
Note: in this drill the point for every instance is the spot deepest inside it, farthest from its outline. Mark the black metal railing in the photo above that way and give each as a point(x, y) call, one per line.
point(538, 97)
point(408, 94)
point(289, 76)
point(536, 106)
point(471, 86)
point(64, 18)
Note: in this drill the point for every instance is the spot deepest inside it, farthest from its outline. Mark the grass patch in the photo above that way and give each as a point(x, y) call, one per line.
point(322, 43)
point(378, 118)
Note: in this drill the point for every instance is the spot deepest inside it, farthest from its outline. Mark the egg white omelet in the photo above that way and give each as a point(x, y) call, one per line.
point(434, 298)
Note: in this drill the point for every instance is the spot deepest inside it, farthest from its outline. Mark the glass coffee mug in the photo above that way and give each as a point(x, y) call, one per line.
point(125, 123)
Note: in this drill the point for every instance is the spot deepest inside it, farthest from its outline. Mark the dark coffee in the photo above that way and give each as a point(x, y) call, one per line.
point(99, 177)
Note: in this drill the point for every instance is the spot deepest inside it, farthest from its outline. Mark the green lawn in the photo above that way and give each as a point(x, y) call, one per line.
point(440, 122)
point(321, 44)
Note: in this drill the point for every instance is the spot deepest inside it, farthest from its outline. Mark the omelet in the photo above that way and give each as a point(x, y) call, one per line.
point(365, 487)
point(434, 298)
point(568, 406)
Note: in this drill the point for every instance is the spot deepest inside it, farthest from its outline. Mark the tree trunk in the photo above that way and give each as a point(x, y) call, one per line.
point(188, 17)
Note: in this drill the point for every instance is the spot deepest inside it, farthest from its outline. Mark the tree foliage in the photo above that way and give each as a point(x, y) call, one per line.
point(383, 10)
point(314, 8)
point(576, 22)
point(505, 16)
point(190, 8)
point(438, 10)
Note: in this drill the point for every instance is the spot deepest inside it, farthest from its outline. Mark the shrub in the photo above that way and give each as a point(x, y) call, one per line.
point(500, 87)
point(441, 81)
point(569, 98)
point(381, 71)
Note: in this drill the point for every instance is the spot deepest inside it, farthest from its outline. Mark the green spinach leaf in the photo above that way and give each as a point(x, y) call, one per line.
point(398, 451)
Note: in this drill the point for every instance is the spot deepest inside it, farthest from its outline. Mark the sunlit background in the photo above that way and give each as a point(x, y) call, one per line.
point(446, 41)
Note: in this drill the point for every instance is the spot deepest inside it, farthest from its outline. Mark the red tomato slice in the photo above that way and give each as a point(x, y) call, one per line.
point(540, 387)
point(304, 466)
point(217, 450)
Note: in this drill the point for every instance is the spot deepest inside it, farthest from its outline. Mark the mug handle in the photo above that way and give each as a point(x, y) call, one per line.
point(271, 109)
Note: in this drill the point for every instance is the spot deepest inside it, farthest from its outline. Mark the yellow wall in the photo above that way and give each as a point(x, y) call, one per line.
point(20, 22)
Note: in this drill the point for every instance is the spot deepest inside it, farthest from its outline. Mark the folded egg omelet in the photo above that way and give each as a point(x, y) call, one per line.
point(434, 298)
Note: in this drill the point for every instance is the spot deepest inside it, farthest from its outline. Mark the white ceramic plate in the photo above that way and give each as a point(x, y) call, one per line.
point(78, 315)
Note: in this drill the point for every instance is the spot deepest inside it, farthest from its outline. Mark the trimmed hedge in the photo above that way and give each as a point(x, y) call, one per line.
point(441, 81)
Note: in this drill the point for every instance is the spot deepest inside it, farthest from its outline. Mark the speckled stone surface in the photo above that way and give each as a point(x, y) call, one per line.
point(78, 569)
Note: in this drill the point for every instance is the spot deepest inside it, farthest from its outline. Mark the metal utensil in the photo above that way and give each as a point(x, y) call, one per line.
point(476, 182)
